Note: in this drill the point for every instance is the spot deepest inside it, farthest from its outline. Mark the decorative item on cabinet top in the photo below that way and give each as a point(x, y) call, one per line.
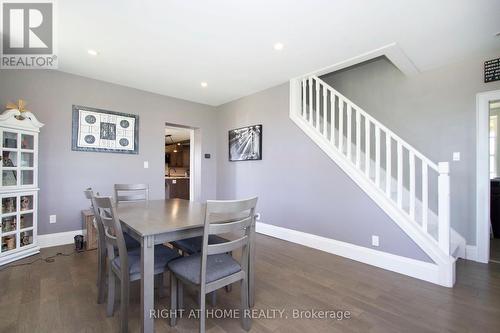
point(104, 131)
point(16, 116)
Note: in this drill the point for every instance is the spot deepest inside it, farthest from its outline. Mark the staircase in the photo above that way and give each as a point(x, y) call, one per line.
point(413, 190)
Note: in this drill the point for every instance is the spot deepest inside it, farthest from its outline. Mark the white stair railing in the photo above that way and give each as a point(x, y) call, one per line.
point(391, 164)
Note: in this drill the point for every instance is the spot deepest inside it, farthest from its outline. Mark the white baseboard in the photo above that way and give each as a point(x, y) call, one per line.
point(59, 238)
point(411, 267)
point(471, 252)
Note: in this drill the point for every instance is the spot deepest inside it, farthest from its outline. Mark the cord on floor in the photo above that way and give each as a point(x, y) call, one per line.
point(49, 259)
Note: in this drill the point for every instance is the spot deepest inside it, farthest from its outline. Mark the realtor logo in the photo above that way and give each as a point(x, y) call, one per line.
point(28, 35)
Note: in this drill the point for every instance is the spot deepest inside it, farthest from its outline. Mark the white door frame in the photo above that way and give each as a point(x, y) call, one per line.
point(482, 174)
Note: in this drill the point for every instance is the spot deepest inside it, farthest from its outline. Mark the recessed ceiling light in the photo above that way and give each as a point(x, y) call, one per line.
point(204, 84)
point(279, 46)
point(92, 52)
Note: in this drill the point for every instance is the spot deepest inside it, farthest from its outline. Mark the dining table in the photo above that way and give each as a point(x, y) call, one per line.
point(155, 222)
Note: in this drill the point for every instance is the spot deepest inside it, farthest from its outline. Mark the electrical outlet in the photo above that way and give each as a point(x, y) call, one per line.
point(52, 219)
point(375, 240)
point(146, 164)
point(174, 181)
point(456, 156)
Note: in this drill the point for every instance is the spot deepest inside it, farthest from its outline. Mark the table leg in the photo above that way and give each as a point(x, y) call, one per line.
point(147, 283)
point(251, 263)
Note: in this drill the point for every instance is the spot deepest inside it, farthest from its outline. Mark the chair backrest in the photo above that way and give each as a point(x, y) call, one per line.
point(231, 216)
point(112, 229)
point(131, 192)
point(89, 194)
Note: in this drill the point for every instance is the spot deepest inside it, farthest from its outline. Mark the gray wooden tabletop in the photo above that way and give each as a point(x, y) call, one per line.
point(155, 217)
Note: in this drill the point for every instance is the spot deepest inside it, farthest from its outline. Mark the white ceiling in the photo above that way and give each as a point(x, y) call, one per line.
point(178, 134)
point(169, 47)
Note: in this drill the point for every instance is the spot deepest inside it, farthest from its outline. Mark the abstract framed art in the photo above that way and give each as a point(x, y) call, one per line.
point(245, 144)
point(104, 131)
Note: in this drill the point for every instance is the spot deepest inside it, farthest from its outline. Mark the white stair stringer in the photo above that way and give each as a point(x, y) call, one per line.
point(442, 249)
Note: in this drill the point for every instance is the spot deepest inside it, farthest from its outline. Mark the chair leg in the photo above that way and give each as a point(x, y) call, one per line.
point(229, 287)
point(101, 275)
point(180, 295)
point(173, 299)
point(213, 298)
point(245, 320)
point(202, 311)
point(161, 285)
point(124, 302)
point(111, 292)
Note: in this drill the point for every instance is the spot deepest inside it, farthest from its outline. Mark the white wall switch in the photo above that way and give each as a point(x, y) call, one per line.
point(146, 164)
point(52, 219)
point(456, 156)
point(375, 240)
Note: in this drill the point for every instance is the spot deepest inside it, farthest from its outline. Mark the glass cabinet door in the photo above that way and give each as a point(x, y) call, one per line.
point(10, 155)
point(18, 159)
point(17, 221)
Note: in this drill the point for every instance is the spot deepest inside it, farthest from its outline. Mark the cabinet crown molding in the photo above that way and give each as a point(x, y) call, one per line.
point(10, 118)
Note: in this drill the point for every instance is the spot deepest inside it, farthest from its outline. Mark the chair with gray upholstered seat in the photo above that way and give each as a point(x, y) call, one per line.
point(126, 266)
point(130, 243)
point(192, 246)
point(213, 268)
point(101, 249)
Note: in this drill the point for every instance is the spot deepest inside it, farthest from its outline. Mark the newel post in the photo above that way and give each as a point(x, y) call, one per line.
point(444, 206)
point(295, 97)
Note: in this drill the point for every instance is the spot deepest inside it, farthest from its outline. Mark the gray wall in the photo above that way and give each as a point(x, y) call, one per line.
point(435, 111)
point(65, 173)
point(298, 186)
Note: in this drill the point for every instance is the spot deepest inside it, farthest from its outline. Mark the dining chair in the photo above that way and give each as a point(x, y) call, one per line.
point(214, 268)
point(130, 243)
point(131, 192)
point(101, 248)
point(193, 245)
point(126, 266)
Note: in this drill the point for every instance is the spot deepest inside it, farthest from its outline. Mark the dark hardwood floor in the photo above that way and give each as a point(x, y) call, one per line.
point(495, 250)
point(60, 296)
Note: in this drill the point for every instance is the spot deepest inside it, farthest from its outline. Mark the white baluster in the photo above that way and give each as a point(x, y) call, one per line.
point(358, 139)
point(400, 175)
point(317, 105)
point(425, 196)
point(412, 184)
point(367, 147)
point(388, 164)
point(332, 117)
point(444, 206)
point(349, 130)
point(341, 125)
point(310, 101)
point(377, 155)
point(304, 97)
point(325, 110)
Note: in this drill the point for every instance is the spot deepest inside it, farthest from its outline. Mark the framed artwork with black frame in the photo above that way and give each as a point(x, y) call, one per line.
point(245, 144)
point(104, 131)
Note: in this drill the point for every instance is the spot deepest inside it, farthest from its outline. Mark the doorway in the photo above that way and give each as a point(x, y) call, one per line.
point(494, 169)
point(488, 177)
point(178, 163)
